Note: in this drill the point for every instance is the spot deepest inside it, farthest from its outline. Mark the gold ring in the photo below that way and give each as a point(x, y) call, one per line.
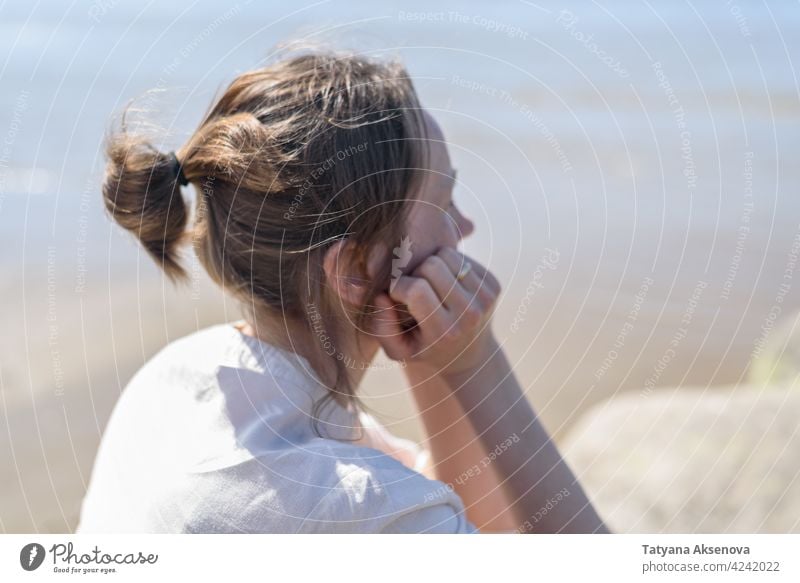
point(467, 267)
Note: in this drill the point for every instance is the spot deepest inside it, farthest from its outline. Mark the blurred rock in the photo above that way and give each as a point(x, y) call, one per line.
point(778, 362)
point(721, 460)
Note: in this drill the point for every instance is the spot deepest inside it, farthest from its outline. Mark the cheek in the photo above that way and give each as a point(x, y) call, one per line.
point(423, 249)
point(429, 232)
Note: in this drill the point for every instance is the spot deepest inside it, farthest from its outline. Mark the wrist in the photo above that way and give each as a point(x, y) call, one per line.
point(482, 351)
point(425, 384)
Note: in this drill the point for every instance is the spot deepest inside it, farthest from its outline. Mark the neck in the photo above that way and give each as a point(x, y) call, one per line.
point(304, 342)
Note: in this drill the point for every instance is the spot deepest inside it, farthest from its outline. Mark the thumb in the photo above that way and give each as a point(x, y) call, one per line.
point(387, 329)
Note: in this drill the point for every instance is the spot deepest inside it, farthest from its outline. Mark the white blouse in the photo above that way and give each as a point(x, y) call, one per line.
point(214, 435)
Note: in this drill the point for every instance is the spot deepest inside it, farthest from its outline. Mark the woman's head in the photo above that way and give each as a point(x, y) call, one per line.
point(306, 171)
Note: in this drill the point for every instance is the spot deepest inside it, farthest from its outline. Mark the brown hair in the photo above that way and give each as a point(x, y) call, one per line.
point(292, 157)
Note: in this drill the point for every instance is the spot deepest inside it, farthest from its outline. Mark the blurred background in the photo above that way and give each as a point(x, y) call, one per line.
point(632, 171)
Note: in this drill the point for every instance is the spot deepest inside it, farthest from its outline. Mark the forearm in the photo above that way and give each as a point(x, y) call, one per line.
point(458, 455)
point(452, 301)
point(532, 469)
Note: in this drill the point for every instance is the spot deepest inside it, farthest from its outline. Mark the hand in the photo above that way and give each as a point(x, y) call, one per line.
point(453, 328)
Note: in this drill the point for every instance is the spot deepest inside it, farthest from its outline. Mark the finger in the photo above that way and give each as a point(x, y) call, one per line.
point(487, 278)
point(443, 281)
point(422, 301)
point(388, 330)
point(385, 321)
point(456, 261)
point(478, 283)
point(478, 273)
point(386, 327)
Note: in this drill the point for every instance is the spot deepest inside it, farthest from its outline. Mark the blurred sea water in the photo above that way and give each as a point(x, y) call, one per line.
point(630, 167)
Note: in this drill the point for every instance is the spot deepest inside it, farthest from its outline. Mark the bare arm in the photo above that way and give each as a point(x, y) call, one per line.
point(545, 495)
point(454, 339)
point(459, 457)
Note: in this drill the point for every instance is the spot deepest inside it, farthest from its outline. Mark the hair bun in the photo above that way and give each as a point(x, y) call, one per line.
point(142, 193)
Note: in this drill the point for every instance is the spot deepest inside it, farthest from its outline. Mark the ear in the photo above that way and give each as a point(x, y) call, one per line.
point(350, 287)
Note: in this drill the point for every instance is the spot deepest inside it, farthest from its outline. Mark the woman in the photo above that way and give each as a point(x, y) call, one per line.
point(324, 205)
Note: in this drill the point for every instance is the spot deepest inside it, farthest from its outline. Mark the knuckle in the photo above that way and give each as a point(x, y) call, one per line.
point(452, 333)
point(418, 289)
point(472, 314)
point(431, 265)
point(494, 283)
point(486, 295)
point(399, 287)
point(450, 255)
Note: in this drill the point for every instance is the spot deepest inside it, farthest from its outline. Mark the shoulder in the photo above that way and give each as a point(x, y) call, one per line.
point(209, 358)
point(207, 348)
point(327, 486)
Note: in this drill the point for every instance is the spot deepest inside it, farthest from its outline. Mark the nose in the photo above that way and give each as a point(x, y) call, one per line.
point(465, 226)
